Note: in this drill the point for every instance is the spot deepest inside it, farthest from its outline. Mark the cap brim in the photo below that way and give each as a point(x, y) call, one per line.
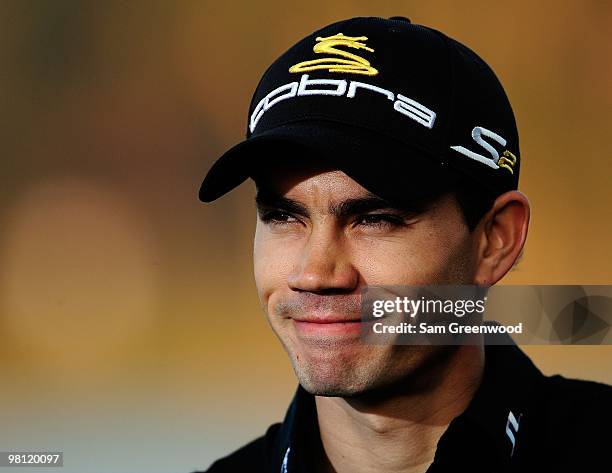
point(386, 167)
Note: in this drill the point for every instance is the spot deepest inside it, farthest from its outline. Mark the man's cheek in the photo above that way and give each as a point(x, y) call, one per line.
point(399, 266)
point(390, 263)
point(271, 267)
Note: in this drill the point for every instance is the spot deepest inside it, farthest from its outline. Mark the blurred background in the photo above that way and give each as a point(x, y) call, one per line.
point(132, 337)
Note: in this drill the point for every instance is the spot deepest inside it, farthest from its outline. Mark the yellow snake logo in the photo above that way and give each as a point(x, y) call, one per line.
point(351, 63)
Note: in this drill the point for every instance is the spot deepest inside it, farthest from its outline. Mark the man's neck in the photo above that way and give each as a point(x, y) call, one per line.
point(399, 431)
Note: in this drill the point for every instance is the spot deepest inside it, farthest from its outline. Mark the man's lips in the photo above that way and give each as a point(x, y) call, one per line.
point(326, 319)
point(327, 325)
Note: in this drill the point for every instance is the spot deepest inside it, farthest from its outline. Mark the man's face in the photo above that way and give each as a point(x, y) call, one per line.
point(320, 238)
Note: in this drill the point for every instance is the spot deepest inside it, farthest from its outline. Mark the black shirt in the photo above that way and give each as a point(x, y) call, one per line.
point(518, 420)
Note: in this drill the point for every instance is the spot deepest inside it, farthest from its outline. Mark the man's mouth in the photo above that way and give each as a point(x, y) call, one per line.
point(326, 319)
point(327, 325)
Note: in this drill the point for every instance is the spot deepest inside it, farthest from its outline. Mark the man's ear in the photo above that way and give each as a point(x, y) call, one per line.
point(500, 237)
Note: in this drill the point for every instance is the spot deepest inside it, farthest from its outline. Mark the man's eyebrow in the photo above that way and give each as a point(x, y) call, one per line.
point(346, 208)
point(266, 199)
point(369, 203)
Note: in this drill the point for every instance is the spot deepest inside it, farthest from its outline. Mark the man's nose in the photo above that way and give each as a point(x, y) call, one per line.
point(324, 265)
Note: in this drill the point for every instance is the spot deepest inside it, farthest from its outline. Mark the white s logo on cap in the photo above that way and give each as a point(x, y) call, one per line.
point(477, 133)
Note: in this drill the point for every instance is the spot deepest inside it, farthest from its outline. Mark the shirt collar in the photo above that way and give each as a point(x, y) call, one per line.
point(297, 433)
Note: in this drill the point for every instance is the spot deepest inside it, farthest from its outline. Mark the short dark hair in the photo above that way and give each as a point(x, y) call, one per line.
point(473, 200)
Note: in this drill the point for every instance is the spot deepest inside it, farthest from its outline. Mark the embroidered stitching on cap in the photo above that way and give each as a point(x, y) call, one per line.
point(352, 63)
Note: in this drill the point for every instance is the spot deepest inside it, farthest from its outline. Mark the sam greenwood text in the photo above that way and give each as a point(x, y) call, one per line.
point(452, 328)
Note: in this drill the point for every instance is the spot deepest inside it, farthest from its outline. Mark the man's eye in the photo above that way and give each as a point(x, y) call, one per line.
point(277, 217)
point(380, 221)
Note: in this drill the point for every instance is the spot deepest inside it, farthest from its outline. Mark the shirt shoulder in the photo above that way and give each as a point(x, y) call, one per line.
point(578, 396)
point(253, 457)
point(578, 410)
point(571, 424)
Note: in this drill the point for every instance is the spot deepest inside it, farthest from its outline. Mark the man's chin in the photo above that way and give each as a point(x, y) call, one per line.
point(330, 390)
point(345, 376)
point(345, 383)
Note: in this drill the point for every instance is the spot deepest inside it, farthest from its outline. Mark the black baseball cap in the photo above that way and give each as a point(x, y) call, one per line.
point(397, 106)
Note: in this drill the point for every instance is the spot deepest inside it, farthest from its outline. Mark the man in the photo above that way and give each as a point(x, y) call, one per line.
point(386, 153)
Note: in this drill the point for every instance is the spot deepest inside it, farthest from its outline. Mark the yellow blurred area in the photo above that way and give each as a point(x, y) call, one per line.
point(128, 313)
